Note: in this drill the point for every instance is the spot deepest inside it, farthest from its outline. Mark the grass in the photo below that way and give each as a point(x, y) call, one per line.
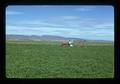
point(32, 59)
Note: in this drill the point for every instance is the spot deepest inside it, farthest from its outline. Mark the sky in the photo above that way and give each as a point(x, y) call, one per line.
point(94, 22)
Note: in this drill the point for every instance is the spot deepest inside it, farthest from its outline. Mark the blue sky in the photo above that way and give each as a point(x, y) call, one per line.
point(95, 22)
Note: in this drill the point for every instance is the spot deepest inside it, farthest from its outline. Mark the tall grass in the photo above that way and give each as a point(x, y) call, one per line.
point(45, 60)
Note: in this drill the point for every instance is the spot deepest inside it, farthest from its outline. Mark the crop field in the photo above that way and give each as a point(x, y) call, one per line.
point(45, 59)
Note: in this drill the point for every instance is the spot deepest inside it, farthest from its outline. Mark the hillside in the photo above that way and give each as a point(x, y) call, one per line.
point(48, 38)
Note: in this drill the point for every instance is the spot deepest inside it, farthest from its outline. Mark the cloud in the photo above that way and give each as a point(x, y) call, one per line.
point(13, 13)
point(105, 25)
point(69, 17)
point(85, 8)
point(36, 30)
point(65, 18)
point(37, 23)
point(86, 28)
point(66, 32)
point(74, 21)
point(69, 24)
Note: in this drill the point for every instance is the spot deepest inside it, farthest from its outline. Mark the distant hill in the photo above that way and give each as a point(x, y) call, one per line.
point(47, 37)
point(34, 37)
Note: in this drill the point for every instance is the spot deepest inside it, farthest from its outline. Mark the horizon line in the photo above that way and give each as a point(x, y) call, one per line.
point(63, 37)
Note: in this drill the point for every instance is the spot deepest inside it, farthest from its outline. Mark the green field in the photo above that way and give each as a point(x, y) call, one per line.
point(40, 59)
